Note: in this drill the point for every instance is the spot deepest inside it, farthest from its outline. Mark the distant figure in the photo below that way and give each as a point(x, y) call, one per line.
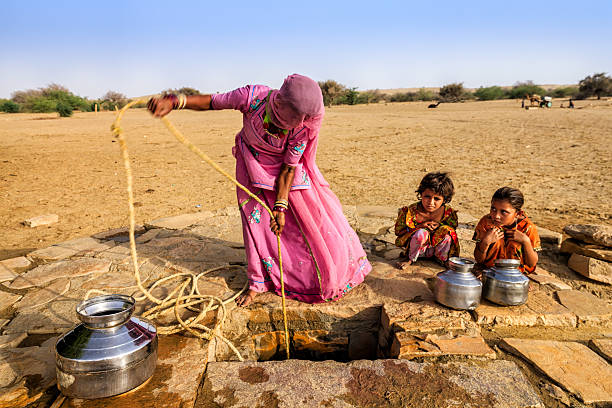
point(571, 103)
point(523, 103)
point(433, 105)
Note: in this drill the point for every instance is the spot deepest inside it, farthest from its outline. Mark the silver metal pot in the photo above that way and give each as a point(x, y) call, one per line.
point(109, 353)
point(457, 287)
point(505, 284)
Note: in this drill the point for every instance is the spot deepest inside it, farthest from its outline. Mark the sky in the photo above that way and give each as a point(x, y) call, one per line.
point(140, 48)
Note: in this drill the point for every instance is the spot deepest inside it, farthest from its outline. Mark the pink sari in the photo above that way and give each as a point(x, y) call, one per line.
point(322, 255)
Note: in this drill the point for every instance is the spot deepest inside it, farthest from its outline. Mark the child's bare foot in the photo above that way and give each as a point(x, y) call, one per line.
point(246, 298)
point(403, 265)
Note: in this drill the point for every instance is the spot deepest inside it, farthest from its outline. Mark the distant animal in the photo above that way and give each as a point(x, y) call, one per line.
point(533, 99)
point(433, 105)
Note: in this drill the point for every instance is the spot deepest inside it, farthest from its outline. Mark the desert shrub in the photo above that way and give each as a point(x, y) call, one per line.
point(520, 89)
point(112, 99)
point(21, 97)
point(350, 97)
point(40, 105)
point(332, 92)
point(403, 97)
point(370, 96)
point(598, 84)
point(184, 90)
point(8, 106)
point(489, 93)
point(452, 92)
point(64, 109)
point(425, 95)
point(568, 91)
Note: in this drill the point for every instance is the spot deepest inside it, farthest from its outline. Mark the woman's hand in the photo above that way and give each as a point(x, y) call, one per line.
point(160, 107)
point(493, 235)
point(518, 236)
point(277, 224)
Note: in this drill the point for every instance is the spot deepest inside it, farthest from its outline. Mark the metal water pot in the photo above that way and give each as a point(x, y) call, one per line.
point(505, 284)
point(457, 287)
point(109, 353)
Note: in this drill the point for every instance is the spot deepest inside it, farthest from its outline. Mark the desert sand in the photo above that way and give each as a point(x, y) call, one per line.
point(371, 155)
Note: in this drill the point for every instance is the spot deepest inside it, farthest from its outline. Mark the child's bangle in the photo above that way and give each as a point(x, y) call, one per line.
point(279, 209)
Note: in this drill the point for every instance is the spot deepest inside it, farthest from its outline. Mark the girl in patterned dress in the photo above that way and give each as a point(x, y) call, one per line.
point(427, 227)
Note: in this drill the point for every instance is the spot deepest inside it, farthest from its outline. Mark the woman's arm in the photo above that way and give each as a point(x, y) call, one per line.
point(162, 106)
point(283, 185)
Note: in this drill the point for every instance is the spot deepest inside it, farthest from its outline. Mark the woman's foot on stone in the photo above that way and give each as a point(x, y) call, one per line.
point(246, 298)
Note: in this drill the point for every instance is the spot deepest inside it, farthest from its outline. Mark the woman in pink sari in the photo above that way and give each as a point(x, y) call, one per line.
point(275, 159)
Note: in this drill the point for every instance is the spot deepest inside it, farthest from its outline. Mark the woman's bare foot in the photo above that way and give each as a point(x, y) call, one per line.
point(403, 265)
point(246, 298)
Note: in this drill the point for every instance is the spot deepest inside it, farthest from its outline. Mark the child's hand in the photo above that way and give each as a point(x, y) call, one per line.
point(518, 236)
point(493, 235)
point(431, 225)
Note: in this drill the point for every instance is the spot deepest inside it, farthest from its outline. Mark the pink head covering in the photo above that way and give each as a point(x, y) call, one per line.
point(297, 101)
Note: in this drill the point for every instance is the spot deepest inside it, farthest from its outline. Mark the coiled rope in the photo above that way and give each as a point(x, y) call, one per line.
point(186, 294)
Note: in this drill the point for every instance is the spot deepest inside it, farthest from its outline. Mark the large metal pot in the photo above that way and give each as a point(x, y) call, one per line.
point(457, 287)
point(505, 284)
point(109, 353)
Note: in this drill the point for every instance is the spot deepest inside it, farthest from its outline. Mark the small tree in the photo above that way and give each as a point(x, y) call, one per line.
point(8, 106)
point(184, 90)
point(452, 92)
point(64, 109)
point(597, 84)
point(521, 89)
point(490, 93)
point(115, 99)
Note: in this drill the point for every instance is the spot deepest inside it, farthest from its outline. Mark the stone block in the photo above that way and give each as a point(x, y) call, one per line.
point(603, 347)
point(364, 383)
point(4, 322)
point(590, 233)
point(11, 340)
point(408, 346)
point(540, 310)
point(52, 253)
point(6, 274)
point(43, 296)
point(591, 268)
point(425, 317)
point(17, 265)
point(572, 246)
point(46, 219)
point(42, 275)
point(179, 221)
point(565, 363)
point(53, 318)
point(393, 254)
point(86, 244)
point(590, 310)
point(118, 232)
point(25, 374)
point(320, 344)
point(181, 362)
point(118, 254)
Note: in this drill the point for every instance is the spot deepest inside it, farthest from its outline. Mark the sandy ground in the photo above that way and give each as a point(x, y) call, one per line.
point(371, 154)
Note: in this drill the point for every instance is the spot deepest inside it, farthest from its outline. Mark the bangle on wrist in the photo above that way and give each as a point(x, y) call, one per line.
point(182, 101)
point(279, 209)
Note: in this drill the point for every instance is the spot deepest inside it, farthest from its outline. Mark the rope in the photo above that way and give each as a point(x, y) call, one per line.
point(186, 294)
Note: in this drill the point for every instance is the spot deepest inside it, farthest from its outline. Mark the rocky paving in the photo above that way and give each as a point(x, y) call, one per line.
point(363, 383)
point(565, 363)
point(590, 233)
point(572, 246)
point(393, 313)
point(6, 274)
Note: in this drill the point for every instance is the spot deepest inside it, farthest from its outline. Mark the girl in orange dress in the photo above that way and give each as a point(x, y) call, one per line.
point(507, 233)
point(427, 227)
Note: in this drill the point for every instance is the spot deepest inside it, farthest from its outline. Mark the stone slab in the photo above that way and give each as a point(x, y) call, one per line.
point(118, 254)
point(179, 221)
point(8, 300)
point(549, 280)
point(603, 347)
point(426, 317)
point(540, 310)
point(118, 232)
point(25, 374)
point(363, 383)
point(147, 236)
point(43, 296)
point(550, 238)
point(86, 244)
point(565, 363)
point(53, 318)
point(597, 234)
point(6, 275)
point(44, 274)
point(591, 268)
point(409, 346)
point(52, 253)
point(11, 340)
point(4, 322)
point(590, 310)
point(181, 363)
point(17, 265)
point(572, 246)
point(41, 220)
